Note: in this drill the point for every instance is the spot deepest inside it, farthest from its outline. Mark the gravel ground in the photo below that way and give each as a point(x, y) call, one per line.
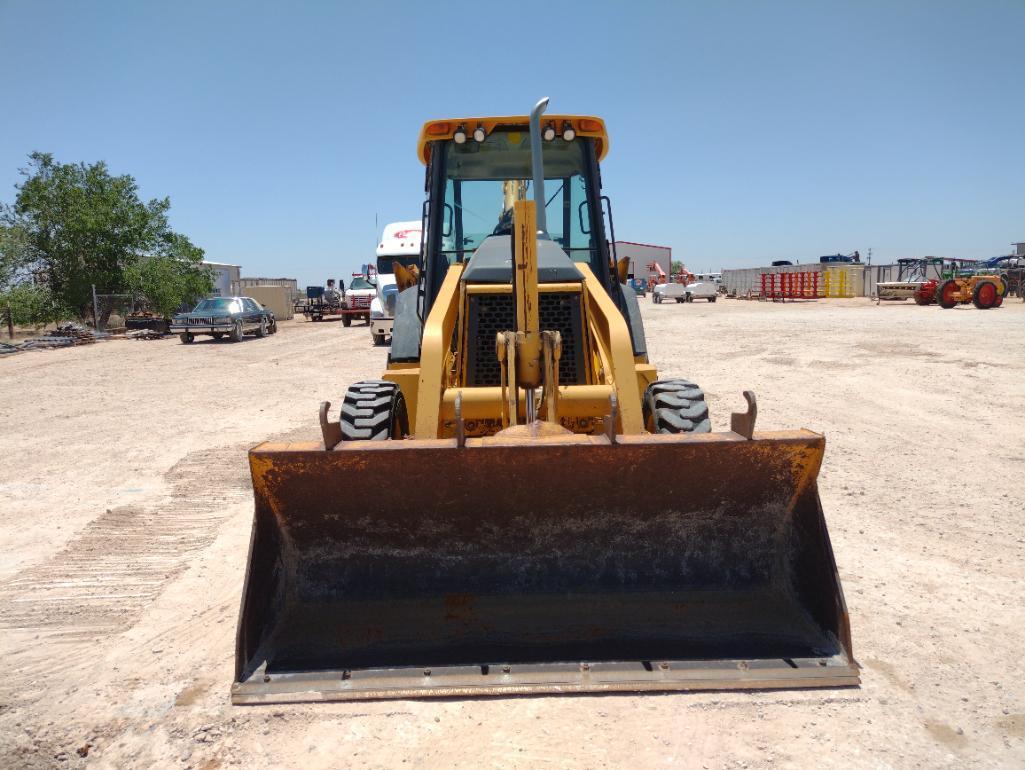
point(127, 506)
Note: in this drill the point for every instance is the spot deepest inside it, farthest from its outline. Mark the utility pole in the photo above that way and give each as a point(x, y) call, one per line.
point(96, 317)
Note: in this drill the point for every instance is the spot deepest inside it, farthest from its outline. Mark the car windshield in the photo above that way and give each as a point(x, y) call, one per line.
point(360, 283)
point(217, 305)
point(483, 179)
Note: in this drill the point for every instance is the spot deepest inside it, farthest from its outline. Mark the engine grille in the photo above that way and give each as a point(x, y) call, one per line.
point(199, 321)
point(360, 301)
point(493, 313)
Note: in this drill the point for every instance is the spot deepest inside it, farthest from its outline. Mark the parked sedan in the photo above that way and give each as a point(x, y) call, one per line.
point(220, 316)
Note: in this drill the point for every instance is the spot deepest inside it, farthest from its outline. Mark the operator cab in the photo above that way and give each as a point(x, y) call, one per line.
point(473, 182)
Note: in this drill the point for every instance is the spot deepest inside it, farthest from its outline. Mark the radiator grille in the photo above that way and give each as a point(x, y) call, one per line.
point(360, 301)
point(493, 313)
point(489, 315)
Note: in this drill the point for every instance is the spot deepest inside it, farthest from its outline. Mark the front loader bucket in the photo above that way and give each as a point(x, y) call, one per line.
point(660, 562)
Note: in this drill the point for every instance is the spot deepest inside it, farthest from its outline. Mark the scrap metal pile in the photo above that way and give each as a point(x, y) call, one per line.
point(64, 336)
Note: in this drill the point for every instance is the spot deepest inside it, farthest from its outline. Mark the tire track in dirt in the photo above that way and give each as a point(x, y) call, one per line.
point(103, 580)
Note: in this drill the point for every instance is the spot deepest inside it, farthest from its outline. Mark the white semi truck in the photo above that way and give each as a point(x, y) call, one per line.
point(400, 242)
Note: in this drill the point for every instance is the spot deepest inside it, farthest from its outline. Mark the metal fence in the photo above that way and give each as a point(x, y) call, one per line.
point(743, 281)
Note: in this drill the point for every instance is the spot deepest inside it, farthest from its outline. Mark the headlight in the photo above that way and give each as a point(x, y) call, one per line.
point(376, 314)
point(222, 320)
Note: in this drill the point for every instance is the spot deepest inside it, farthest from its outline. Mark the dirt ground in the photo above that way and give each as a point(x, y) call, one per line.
point(126, 510)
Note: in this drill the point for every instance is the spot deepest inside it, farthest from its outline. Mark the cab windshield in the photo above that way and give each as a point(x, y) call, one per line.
point(384, 264)
point(483, 179)
point(360, 283)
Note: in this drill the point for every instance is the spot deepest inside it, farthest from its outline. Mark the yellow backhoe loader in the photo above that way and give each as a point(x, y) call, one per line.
point(519, 504)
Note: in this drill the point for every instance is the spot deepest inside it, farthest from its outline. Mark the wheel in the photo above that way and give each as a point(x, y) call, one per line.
point(273, 328)
point(318, 318)
point(680, 300)
point(946, 294)
point(237, 333)
point(187, 338)
point(217, 335)
point(261, 331)
point(713, 298)
point(378, 338)
point(920, 300)
point(374, 410)
point(985, 295)
point(366, 320)
point(675, 406)
point(689, 298)
point(346, 320)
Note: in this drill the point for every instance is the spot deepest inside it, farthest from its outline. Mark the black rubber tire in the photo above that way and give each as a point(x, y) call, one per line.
point(712, 298)
point(939, 294)
point(187, 338)
point(273, 328)
point(374, 410)
point(378, 339)
point(346, 320)
point(979, 287)
point(237, 332)
point(675, 406)
point(680, 300)
point(217, 335)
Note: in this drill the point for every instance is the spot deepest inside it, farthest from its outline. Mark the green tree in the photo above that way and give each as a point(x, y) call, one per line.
point(676, 267)
point(172, 277)
point(80, 226)
point(31, 304)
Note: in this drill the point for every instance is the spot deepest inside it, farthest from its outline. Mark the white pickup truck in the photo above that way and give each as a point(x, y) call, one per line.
point(685, 293)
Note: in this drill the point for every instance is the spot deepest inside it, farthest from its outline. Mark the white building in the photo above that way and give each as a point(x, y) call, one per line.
point(643, 254)
point(225, 277)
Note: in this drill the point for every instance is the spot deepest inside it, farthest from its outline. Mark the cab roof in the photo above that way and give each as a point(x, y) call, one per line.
point(444, 129)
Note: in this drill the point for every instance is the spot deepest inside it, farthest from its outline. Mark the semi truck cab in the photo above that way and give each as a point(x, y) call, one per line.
point(400, 242)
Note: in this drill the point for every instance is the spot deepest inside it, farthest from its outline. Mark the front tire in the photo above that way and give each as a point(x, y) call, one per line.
point(946, 294)
point(378, 338)
point(985, 295)
point(346, 320)
point(261, 331)
point(675, 406)
point(237, 333)
point(187, 338)
point(374, 410)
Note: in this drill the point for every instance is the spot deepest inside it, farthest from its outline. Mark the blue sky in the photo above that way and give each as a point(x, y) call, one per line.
point(740, 131)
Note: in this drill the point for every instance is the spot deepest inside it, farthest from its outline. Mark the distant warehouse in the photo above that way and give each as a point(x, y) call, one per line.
point(643, 254)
